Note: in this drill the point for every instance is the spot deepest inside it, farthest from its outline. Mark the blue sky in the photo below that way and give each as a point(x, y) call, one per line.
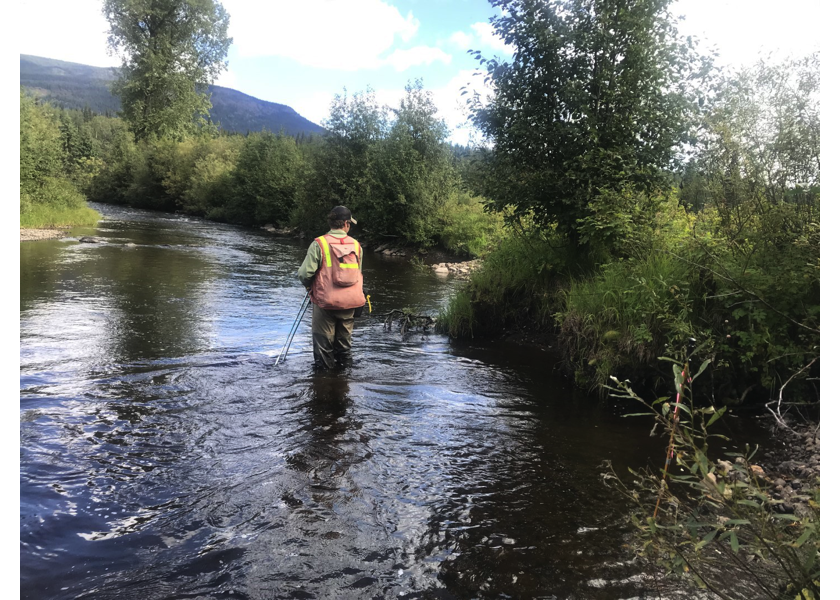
point(302, 53)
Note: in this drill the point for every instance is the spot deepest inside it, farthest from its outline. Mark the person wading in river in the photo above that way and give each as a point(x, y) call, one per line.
point(332, 274)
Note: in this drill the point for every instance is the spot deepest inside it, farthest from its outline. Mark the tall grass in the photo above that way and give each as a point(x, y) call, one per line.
point(618, 320)
point(609, 319)
point(46, 217)
point(515, 286)
point(54, 202)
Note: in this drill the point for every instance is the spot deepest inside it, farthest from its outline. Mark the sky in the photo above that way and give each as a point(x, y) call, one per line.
point(303, 53)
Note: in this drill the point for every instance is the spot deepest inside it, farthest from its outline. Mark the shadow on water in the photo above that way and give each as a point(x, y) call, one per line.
point(164, 456)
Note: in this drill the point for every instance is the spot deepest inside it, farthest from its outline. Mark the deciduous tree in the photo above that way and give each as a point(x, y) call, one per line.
point(171, 51)
point(416, 175)
point(593, 100)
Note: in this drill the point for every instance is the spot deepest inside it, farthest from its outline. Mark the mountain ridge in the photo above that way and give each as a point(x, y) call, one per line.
point(75, 85)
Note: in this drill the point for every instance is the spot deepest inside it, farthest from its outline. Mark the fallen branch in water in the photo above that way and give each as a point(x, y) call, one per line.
point(406, 319)
point(777, 413)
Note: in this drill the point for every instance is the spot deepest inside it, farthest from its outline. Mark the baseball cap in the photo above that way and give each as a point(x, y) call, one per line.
point(341, 213)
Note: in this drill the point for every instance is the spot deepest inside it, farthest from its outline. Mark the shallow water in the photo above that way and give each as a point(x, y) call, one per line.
point(163, 455)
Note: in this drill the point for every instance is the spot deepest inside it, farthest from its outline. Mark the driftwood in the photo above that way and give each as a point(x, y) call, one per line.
point(406, 319)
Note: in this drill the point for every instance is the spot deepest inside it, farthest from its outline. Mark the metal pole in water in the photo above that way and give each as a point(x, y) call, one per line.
point(301, 312)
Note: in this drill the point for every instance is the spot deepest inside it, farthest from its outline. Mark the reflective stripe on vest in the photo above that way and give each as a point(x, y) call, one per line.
point(325, 250)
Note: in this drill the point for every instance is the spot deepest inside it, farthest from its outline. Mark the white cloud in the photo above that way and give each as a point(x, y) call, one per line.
point(418, 55)
point(330, 34)
point(314, 106)
point(461, 40)
point(452, 105)
point(409, 29)
point(72, 31)
point(487, 36)
point(226, 79)
point(773, 26)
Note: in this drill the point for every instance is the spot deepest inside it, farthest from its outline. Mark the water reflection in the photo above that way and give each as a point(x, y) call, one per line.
point(331, 446)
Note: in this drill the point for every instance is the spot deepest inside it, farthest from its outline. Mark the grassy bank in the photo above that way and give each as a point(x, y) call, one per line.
point(748, 297)
point(46, 217)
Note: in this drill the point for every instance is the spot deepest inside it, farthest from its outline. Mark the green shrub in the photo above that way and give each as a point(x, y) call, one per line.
point(47, 197)
point(211, 179)
point(266, 180)
point(621, 318)
point(758, 293)
point(515, 286)
point(467, 228)
point(716, 518)
point(457, 318)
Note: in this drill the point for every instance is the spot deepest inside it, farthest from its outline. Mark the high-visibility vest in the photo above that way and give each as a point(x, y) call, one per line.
point(338, 282)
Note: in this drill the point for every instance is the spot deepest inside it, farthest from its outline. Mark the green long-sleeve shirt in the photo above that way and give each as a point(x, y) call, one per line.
point(310, 264)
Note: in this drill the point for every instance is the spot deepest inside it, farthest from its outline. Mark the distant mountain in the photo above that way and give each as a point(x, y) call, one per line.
point(71, 85)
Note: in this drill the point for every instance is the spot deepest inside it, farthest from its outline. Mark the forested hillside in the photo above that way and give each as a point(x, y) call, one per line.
point(72, 85)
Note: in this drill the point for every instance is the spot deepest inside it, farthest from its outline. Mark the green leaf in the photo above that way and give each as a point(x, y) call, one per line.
point(716, 416)
point(786, 517)
point(683, 407)
point(702, 368)
point(669, 359)
point(733, 542)
point(803, 538)
point(749, 503)
point(678, 379)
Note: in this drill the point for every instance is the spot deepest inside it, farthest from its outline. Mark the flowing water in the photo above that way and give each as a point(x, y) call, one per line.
point(163, 455)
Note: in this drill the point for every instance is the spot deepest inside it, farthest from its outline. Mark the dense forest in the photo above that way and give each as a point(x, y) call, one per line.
point(394, 167)
point(632, 201)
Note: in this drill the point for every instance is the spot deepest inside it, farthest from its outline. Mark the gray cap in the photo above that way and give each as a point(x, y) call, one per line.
point(341, 213)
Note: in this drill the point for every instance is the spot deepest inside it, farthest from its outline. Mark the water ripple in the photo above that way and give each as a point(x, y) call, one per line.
point(164, 456)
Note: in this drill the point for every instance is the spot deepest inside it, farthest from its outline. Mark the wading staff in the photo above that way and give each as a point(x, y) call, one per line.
point(301, 312)
point(670, 455)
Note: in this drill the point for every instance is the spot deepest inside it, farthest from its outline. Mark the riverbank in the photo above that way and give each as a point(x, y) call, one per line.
point(792, 467)
point(27, 235)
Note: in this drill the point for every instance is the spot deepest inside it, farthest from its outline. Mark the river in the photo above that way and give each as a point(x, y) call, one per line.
point(163, 455)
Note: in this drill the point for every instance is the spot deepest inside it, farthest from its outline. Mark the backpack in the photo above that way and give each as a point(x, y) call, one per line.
point(343, 261)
